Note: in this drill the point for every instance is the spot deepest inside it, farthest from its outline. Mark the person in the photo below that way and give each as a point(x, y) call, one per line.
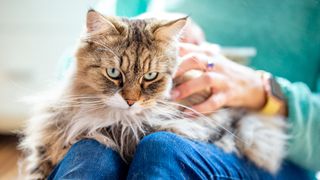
point(168, 156)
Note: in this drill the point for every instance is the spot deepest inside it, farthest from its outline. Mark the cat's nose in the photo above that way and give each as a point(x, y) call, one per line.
point(130, 102)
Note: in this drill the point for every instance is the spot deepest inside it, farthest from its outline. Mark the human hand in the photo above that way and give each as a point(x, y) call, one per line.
point(192, 33)
point(231, 84)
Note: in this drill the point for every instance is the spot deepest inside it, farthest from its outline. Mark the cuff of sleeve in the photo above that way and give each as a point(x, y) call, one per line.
point(302, 125)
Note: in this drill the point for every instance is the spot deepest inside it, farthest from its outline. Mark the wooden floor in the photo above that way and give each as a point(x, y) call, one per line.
point(8, 157)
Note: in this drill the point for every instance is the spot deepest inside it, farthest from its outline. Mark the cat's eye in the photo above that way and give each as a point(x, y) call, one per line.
point(150, 76)
point(113, 73)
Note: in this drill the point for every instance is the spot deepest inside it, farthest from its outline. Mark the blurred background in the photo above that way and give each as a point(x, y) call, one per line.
point(37, 38)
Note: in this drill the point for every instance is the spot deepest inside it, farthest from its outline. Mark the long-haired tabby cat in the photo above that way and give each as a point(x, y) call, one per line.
point(118, 93)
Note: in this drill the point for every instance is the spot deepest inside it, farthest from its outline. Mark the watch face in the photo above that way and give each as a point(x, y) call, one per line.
point(275, 89)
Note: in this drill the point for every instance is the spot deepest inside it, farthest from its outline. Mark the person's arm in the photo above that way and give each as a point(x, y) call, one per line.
point(304, 118)
point(234, 85)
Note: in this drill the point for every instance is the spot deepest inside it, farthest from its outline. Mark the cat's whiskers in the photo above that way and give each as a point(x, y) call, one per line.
point(83, 112)
point(76, 106)
point(88, 107)
point(76, 103)
point(205, 118)
point(79, 102)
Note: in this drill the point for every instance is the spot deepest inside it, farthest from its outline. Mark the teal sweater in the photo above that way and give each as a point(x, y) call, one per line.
point(287, 37)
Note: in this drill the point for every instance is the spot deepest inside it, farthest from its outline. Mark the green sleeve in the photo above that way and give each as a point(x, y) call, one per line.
point(304, 122)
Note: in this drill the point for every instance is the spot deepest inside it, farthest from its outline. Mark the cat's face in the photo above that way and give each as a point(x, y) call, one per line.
point(128, 63)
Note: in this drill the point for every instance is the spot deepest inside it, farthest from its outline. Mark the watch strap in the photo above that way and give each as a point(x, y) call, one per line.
point(274, 100)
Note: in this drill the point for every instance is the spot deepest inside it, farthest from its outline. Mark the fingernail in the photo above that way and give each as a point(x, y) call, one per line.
point(174, 94)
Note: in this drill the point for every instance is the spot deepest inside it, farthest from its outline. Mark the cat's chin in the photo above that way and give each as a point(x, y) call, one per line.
point(128, 110)
point(135, 111)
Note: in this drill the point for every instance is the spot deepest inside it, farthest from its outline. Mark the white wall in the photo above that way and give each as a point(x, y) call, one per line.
point(34, 36)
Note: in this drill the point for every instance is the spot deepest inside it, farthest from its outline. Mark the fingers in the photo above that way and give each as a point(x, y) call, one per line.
point(205, 48)
point(192, 34)
point(192, 61)
point(215, 102)
point(196, 57)
point(186, 48)
point(206, 80)
point(196, 40)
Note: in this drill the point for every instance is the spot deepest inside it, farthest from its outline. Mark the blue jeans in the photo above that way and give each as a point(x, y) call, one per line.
point(163, 155)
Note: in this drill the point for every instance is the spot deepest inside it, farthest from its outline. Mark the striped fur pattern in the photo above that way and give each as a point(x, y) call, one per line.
point(94, 104)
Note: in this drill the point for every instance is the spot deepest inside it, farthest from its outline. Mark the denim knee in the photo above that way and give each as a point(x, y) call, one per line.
point(88, 159)
point(166, 155)
point(87, 144)
point(157, 148)
point(161, 142)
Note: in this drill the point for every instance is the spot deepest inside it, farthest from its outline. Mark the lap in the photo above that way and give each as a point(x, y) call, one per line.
point(169, 156)
point(197, 160)
point(88, 159)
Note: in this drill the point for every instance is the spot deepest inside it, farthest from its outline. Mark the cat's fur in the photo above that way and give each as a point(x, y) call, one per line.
point(92, 105)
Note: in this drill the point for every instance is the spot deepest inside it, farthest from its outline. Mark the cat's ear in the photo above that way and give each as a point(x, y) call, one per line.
point(170, 29)
point(96, 22)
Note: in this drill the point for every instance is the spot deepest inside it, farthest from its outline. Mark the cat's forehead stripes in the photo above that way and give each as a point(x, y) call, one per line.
point(137, 52)
point(136, 49)
point(136, 56)
point(125, 62)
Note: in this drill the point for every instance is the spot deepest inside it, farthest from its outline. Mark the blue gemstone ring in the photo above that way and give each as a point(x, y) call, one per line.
point(210, 64)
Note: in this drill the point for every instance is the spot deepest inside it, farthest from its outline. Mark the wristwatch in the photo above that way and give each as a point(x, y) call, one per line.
point(274, 96)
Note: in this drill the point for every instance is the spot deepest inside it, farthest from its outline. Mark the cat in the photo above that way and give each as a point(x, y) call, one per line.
point(118, 93)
